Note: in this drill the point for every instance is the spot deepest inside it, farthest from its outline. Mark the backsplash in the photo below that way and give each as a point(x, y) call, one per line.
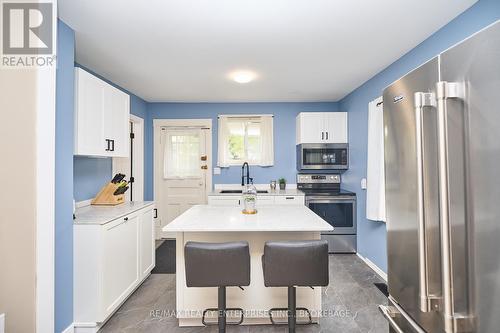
point(90, 175)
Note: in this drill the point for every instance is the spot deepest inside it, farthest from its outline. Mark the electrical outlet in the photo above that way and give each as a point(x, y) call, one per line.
point(363, 184)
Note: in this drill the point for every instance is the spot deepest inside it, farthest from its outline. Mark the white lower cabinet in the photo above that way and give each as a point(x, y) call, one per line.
point(224, 200)
point(110, 262)
point(262, 200)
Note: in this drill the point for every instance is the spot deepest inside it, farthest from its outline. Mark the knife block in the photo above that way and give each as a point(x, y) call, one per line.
point(105, 197)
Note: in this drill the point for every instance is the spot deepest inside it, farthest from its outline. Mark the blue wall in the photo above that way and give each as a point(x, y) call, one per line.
point(372, 235)
point(90, 174)
point(284, 135)
point(64, 178)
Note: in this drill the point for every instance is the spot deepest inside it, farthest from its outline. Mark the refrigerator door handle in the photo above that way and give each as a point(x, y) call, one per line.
point(389, 315)
point(427, 302)
point(453, 322)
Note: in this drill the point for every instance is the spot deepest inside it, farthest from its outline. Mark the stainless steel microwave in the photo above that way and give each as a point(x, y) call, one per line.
point(323, 156)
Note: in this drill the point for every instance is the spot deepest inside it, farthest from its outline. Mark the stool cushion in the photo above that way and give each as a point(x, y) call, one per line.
point(295, 263)
point(217, 264)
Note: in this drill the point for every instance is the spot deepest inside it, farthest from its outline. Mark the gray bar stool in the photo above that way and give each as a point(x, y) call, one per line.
point(218, 265)
point(295, 264)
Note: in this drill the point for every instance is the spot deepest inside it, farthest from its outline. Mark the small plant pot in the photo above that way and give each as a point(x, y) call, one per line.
point(282, 186)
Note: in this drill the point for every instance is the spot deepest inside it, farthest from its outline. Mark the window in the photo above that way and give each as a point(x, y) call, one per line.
point(182, 154)
point(245, 139)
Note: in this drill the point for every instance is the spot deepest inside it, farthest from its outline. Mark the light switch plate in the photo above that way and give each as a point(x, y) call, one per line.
point(363, 184)
point(216, 171)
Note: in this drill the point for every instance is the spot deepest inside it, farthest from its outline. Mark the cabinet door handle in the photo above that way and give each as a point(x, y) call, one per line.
point(125, 218)
point(112, 145)
point(322, 135)
point(289, 198)
point(107, 144)
point(156, 213)
point(327, 135)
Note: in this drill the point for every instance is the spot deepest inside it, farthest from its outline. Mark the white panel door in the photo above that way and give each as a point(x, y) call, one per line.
point(146, 243)
point(183, 172)
point(120, 264)
point(89, 121)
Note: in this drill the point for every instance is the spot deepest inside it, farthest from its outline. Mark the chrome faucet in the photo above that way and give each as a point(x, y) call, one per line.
point(243, 174)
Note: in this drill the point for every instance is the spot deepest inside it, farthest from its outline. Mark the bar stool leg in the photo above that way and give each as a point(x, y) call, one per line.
point(222, 309)
point(292, 309)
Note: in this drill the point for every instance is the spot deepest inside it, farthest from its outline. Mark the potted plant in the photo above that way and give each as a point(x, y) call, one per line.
point(282, 182)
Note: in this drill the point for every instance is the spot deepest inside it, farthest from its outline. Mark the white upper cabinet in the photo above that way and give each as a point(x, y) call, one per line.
point(102, 115)
point(321, 127)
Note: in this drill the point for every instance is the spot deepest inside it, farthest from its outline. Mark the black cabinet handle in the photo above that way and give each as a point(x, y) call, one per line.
point(322, 135)
point(290, 198)
point(326, 136)
point(112, 145)
point(125, 219)
point(107, 143)
point(156, 213)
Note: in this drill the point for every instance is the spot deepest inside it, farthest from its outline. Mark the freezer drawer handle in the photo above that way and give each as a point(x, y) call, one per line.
point(389, 314)
point(427, 302)
point(453, 322)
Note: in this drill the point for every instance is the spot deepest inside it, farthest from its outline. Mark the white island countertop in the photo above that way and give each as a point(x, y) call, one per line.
point(206, 218)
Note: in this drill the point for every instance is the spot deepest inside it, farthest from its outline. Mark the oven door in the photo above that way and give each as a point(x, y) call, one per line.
point(323, 156)
point(339, 212)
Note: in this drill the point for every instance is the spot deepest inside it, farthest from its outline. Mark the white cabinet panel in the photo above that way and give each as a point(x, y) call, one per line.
point(262, 200)
point(335, 127)
point(289, 200)
point(102, 115)
point(89, 122)
point(224, 200)
point(265, 200)
point(120, 261)
point(116, 121)
point(310, 127)
point(146, 243)
point(321, 127)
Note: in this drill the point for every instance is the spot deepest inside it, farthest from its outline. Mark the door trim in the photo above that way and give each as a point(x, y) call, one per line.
point(157, 125)
point(138, 156)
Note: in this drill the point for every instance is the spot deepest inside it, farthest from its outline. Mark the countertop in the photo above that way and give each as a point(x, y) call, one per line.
point(104, 214)
point(205, 218)
point(289, 192)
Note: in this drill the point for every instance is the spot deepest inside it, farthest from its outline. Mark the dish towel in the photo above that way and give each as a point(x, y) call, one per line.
point(375, 190)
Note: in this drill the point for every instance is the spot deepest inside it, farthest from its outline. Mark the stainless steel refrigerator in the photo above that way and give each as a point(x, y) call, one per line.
point(442, 180)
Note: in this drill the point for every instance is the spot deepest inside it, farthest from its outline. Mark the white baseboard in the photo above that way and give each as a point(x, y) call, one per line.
point(69, 329)
point(2, 322)
point(375, 268)
point(86, 328)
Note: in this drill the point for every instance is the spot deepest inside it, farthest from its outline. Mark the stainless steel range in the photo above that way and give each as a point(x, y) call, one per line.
point(336, 206)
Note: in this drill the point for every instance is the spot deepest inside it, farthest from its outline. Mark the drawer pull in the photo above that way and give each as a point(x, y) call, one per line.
point(290, 198)
point(125, 219)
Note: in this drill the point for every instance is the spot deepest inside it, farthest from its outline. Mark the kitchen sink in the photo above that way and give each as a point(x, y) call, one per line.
point(240, 191)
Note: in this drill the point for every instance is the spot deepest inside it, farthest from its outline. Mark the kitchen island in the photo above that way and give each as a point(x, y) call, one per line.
point(206, 223)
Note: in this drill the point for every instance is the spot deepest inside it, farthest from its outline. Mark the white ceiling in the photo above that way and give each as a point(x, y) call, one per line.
point(302, 50)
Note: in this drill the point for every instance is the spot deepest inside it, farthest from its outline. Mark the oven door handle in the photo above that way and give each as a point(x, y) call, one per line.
point(330, 200)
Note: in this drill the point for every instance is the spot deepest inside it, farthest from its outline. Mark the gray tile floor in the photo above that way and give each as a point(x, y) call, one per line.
point(351, 297)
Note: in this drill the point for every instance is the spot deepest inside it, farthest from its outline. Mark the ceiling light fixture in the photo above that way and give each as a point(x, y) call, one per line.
point(242, 76)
